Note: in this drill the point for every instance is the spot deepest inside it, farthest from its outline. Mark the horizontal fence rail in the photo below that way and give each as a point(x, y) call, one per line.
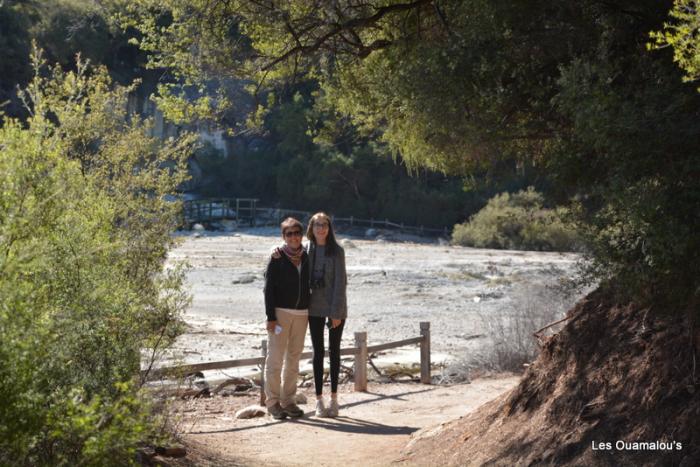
point(245, 210)
point(361, 352)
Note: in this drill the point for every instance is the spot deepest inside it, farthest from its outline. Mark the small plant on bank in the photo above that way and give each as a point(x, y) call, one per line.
point(510, 331)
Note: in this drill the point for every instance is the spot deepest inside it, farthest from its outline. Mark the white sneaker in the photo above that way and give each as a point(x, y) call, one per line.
point(321, 410)
point(333, 408)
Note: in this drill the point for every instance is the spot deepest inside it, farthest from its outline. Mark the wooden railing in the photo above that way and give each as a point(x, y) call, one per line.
point(361, 352)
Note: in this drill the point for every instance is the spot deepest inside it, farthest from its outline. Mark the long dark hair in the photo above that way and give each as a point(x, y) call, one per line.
point(332, 246)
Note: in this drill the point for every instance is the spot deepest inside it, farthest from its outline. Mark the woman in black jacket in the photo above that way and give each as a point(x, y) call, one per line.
point(286, 306)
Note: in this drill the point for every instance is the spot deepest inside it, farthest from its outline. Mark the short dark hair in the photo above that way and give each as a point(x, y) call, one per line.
point(289, 223)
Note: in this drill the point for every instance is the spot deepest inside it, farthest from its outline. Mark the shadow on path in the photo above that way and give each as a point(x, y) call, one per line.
point(356, 425)
point(341, 423)
point(379, 397)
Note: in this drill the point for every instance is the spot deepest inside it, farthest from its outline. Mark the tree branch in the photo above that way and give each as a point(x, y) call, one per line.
point(350, 25)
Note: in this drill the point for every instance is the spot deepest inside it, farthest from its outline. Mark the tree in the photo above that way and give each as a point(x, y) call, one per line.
point(683, 34)
point(458, 86)
point(84, 228)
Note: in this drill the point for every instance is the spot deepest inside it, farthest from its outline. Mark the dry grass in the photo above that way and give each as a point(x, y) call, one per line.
point(512, 344)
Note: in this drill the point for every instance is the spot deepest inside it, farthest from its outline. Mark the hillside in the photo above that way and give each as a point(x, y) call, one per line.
point(615, 373)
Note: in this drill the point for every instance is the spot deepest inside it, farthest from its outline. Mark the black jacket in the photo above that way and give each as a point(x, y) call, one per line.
point(285, 287)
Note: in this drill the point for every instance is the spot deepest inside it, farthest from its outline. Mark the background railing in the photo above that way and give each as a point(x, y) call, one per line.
point(245, 211)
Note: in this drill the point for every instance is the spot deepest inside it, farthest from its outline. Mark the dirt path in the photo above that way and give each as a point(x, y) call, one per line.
point(371, 431)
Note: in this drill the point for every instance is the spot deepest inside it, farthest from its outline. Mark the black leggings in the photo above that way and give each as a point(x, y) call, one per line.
point(316, 325)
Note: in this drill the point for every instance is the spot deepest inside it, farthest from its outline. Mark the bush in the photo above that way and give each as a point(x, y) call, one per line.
point(84, 229)
point(510, 331)
point(517, 222)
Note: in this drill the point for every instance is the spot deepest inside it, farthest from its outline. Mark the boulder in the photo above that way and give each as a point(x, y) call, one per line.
point(251, 411)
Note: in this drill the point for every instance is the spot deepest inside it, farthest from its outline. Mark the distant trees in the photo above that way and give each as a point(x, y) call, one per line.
point(63, 28)
point(300, 164)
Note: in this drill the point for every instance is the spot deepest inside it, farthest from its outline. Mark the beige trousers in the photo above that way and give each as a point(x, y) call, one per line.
point(282, 362)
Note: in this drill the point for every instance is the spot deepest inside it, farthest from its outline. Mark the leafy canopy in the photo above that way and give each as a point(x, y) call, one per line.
point(568, 87)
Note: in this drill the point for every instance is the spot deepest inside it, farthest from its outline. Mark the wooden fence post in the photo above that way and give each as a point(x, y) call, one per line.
point(425, 352)
point(263, 352)
point(361, 361)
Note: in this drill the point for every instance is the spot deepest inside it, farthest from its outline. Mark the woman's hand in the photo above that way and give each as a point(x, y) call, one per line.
point(271, 326)
point(335, 323)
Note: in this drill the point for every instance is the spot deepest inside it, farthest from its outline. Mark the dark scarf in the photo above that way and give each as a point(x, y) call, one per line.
point(293, 255)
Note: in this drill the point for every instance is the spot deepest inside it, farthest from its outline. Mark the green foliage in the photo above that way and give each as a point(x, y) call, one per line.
point(67, 27)
point(62, 28)
point(84, 228)
point(518, 221)
point(463, 86)
point(683, 34)
point(339, 172)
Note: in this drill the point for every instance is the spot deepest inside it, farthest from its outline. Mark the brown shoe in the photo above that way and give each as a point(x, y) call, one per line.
point(277, 412)
point(293, 410)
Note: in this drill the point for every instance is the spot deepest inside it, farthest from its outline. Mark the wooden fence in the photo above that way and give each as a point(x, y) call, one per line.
point(246, 211)
point(361, 352)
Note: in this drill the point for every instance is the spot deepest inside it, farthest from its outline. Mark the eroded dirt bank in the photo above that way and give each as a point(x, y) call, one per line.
point(617, 386)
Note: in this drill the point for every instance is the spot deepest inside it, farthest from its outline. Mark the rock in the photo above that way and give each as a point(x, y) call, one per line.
point(347, 244)
point(244, 279)
point(251, 411)
point(443, 242)
point(228, 225)
point(371, 233)
point(300, 398)
point(198, 228)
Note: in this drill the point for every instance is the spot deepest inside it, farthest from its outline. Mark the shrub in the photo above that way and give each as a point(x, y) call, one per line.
point(84, 228)
point(510, 331)
point(517, 222)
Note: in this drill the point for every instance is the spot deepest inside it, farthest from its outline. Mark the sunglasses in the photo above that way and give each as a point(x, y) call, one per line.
point(294, 233)
point(321, 225)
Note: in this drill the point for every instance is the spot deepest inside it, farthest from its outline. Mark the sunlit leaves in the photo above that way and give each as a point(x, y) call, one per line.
point(85, 225)
point(683, 34)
